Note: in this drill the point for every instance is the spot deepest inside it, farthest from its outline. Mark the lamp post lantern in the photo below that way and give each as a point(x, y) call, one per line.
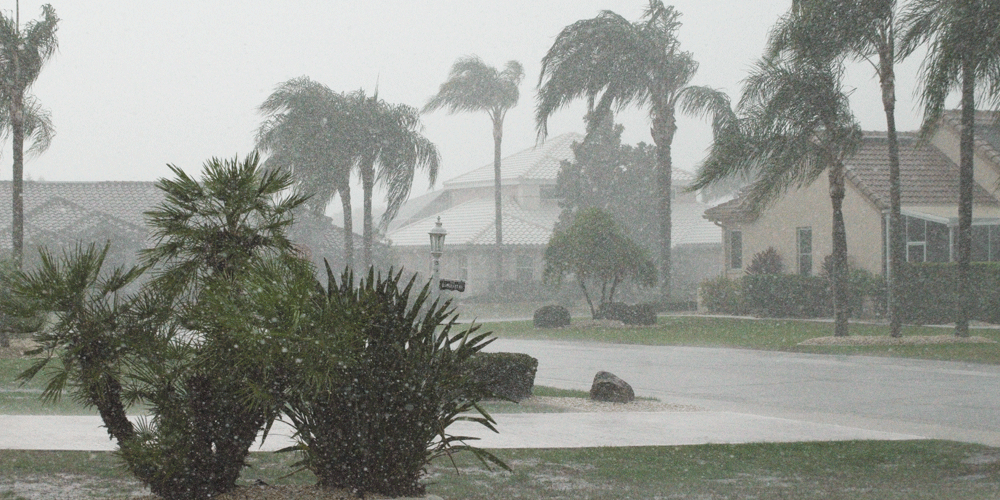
point(437, 249)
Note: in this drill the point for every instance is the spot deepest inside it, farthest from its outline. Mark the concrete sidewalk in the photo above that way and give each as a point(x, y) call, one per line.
point(521, 430)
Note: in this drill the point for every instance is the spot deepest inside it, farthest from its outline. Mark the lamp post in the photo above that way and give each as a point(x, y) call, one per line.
point(437, 249)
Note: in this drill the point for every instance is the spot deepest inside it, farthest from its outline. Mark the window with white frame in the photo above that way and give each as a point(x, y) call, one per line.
point(735, 238)
point(525, 268)
point(804, 245)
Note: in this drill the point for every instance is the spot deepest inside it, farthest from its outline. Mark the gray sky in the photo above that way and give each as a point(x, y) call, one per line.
point(137, 85)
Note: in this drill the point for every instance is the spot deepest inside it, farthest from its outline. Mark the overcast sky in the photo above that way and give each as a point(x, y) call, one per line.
point(137, 85)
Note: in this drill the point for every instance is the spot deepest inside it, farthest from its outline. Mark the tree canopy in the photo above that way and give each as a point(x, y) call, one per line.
point(596, 252)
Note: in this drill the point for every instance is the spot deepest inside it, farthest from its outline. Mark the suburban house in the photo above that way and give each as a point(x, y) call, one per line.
point(466, 208)
point(58, 215)
point(798, 224)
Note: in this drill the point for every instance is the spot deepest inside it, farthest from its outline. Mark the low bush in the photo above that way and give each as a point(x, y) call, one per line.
point(722, 295)
point(766, 262)
point(504, 375)
point(612, 310)
point(551, 316)
point(786, 296)
point(930, 292)
point(640, 314)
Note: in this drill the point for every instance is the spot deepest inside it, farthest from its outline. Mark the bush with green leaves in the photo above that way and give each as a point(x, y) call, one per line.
point(722, 295)
point(766, 262)
point(551, 316)
point(930, 292)
point(599, 255)
point(504, 375)
point(373, 423)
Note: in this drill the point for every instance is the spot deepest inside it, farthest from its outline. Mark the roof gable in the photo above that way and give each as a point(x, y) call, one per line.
point(540, 162)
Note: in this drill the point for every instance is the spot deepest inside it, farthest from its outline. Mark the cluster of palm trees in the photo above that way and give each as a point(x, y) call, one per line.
point(793, 121)
point(322, 137)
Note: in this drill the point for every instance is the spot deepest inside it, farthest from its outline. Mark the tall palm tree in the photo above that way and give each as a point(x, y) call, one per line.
point(615, 63)
point(963, 52)
point(303, 133)
point(475, 86)
point(862, 30)
point(391, 149)
point(22, 55)
point(794, 124)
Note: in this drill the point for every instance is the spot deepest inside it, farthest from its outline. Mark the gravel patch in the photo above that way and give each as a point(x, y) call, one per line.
point(294, 492)
point(907, 340)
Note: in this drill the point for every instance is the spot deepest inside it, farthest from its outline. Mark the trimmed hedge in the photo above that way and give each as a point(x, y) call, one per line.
point(551, 316)
point(790, 295)
point(639, 314)
point(930, 293)
point(504, 375)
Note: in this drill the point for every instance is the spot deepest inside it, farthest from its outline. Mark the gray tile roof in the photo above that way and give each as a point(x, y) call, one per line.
point(474, 223)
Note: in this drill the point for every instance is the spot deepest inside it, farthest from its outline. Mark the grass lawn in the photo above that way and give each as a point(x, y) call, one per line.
point(764, 334)
point(840, 470)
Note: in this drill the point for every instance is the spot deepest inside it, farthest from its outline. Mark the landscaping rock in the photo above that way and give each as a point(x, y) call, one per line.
point(608, 387)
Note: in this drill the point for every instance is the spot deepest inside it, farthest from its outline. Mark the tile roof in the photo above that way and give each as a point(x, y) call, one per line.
point(540, 162)
point(122, 200)
point(987, 129)
point(927, 177)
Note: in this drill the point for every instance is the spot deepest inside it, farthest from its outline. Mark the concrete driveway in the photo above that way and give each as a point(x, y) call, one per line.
point(933, 399)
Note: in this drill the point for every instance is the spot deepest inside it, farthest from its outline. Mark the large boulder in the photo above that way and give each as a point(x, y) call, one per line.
point(608, 387)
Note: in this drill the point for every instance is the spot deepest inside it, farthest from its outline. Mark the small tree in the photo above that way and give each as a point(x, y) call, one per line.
point(594, 249)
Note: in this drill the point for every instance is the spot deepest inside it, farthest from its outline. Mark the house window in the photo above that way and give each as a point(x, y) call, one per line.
point(916, 240)
point(804, 243)
point(463, 267)
point(986, 243)
point(525, 268)
point(735, 249)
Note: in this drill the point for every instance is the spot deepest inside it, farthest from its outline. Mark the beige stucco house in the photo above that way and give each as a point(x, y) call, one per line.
point(798, 225)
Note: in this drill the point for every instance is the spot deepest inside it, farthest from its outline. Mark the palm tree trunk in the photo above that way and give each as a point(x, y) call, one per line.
point(839, 235)
point(367, 187)
point(17, 124)
point(897, 249)
point(662, 131)
point(345, 201)
point(965, 183)
point(497, 198)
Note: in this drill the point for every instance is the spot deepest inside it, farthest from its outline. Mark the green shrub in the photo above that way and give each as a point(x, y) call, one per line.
point(371, 424)
point(766, 262)
point(612, 310)
point(930, 292)
point(640, 314)
point(551, 316)
point(504, 375)
point(786, 296)
point(722, 295)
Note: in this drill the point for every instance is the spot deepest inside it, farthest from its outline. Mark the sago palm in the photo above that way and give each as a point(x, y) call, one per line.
point(616, 63)
point(475, 86)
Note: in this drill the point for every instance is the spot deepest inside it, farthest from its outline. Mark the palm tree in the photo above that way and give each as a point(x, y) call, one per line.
point(475, 86)
point(862, 30)
point(391, 149)
point(302, 134)
point(614, 63)
point(794, 123)
point(22, 55)
point(963, 38)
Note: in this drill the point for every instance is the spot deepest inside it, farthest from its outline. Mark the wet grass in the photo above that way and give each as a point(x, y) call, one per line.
point(763, 334)
point(838, 470)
